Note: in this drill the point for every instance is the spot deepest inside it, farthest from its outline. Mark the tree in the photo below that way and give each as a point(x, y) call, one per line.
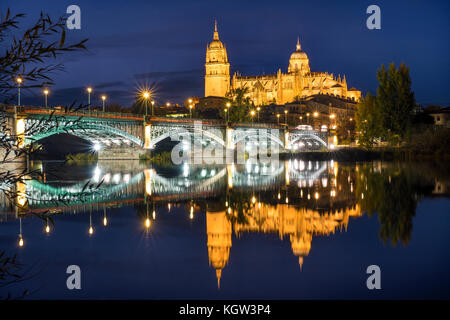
point(240, 105)
point(395, 99)
point(31, 57)
point(368, 121)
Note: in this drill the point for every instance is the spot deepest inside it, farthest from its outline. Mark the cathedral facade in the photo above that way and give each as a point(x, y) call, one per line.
point(280, 88)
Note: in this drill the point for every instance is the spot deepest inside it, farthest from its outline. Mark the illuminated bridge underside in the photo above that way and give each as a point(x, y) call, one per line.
point(134, 133)
point(107, 133)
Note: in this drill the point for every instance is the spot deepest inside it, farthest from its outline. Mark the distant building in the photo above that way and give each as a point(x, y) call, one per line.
point(280, 88)
point(441, 117)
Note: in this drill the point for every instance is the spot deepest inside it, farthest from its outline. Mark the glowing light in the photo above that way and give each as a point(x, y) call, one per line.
point(228, 104)
point(229, 210)
point(105, 221)
point(332, 116)
point(89, 89)
point(316, 195)
point(47, 229)
point(168, 104)
point(19, 80)
point(146, 94)
point(20, 242)
point(91, 230)
point(287, 200)
point(316, 114)
point(253, 199)
point(154, 215)
point(147, 223)
point(97, 146)
point(191, 214)
point(190, 100)
point(46, 92)
point(103, 98)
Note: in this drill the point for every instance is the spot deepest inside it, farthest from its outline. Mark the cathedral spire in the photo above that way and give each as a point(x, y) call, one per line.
point(218, 275)
point(298, 44)
point(216, 34)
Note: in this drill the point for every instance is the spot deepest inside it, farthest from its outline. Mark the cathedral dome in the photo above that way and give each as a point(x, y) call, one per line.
point(298, 54)
point(216, 44)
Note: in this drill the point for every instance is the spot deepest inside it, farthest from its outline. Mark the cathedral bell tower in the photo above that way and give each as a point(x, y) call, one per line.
point(217, 68)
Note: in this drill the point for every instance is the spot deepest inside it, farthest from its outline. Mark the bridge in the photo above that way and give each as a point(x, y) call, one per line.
point(116, 135)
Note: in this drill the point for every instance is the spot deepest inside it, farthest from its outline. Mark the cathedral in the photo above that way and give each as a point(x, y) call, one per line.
point(280, 88)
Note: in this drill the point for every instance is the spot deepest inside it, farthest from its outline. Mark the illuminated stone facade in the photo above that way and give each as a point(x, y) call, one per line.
point(279, 88)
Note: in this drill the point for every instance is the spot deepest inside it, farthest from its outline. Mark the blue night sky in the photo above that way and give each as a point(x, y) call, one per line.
point(163, 43)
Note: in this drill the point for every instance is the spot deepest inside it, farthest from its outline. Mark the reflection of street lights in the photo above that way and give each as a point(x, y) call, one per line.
point(46, 92)
point(103, 100)
point(89, 90)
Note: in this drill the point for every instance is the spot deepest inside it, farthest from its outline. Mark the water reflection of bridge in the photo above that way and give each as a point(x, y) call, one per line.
point(188, 182)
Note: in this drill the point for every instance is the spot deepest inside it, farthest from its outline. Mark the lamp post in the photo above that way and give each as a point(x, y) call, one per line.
point(46, 92)
point(258, 109)
point(226, 114)
point(278, 118)
point(146, 95)
point(252, 114)
point(153, 107)
point(307, 115)
point(103, 100)
point(190, 111)
point(285, 117)
point(89, 90)
point(19, 82)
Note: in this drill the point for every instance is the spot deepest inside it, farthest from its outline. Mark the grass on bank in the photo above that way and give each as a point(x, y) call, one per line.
point(82, 158)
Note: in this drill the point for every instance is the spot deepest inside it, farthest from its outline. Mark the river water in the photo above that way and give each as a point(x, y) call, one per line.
point(290, 230)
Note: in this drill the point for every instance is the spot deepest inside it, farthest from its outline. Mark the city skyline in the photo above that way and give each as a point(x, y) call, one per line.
point(170, 56)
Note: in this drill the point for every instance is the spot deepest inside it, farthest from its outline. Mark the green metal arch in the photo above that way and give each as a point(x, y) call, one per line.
point(77, 130)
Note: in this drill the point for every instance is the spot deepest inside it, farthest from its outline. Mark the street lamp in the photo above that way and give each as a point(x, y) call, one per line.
point(146, 95)
point(89, 90)
point(190, 110)
point(307, 117)
point(103, 99)
point(46, 92)
point(226, 114)
point(258, 109)
point(278, 118)
point(252, 113)
point(19, 82)
point(285, 117)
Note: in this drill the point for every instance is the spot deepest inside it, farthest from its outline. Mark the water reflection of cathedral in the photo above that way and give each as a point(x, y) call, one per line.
point(300, 224)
